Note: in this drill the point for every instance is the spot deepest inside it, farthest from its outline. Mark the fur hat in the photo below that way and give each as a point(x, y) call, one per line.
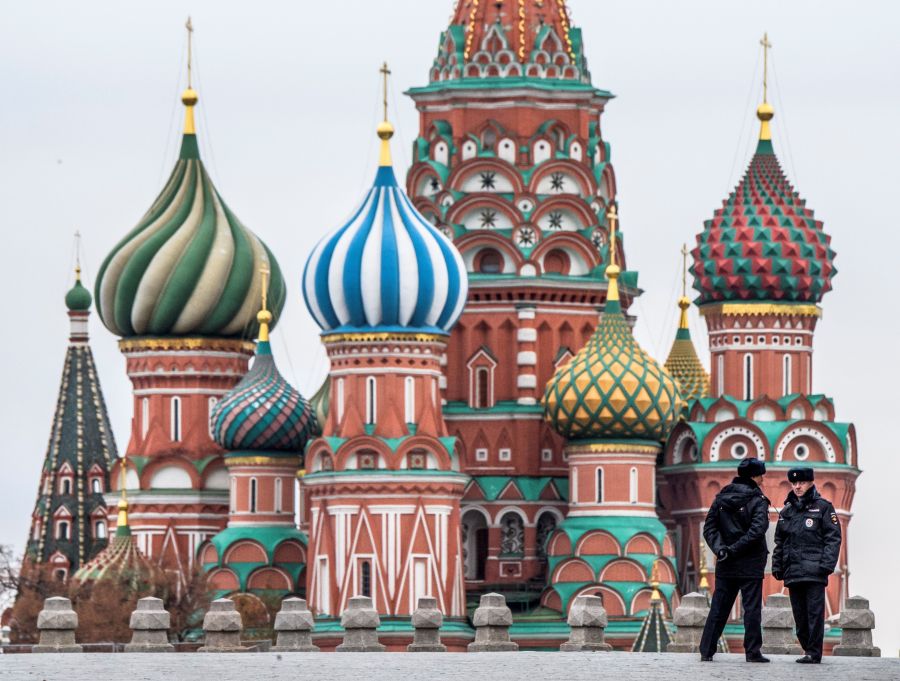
point(803, 474)
point(750, 468)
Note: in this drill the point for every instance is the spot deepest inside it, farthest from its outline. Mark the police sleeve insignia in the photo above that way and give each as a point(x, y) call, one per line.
point(834, 518)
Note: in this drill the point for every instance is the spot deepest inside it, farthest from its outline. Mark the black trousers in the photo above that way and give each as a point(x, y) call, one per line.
point(808, 604)
point(722, 601)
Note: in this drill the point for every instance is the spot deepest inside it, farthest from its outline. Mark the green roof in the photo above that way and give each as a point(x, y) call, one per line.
point(530, 488)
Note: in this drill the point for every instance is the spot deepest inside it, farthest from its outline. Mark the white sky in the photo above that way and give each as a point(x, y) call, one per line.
point(288, 107)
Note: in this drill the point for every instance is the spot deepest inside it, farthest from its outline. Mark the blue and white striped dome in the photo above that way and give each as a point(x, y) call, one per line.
point(387, 269)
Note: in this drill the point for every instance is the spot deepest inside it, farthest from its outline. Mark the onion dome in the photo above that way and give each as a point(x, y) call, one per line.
point(612, 388)
point(683, 363)
point(188, 267)
point(320, 403)
point(388, 269)
point(121, 561)
point(764, 244)
point(263, 412)
point(78, 299)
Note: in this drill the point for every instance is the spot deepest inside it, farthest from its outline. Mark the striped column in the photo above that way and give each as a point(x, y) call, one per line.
point(526, 356)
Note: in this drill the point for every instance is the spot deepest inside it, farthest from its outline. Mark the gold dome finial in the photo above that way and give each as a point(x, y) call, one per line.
point(77, 256)
point(765, 112)
point(385, 129)
point(684, 303)
point(122, 520)
point(612, 271)
point(189, 97)
point(264, 317)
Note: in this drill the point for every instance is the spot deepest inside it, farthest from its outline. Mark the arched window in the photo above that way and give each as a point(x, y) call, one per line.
point(599, 485)
point(100, 529)
point(340, 399)
point(65, 486)
point(633, 485)
point(95, 486)
point(786, 388)
point(371, 406)
point(176, 419)
point(62, 530)
point(482, 387)
point(409, 399)
point(748, 376)
point(278, 502)
point(720, 375)
point(145, 416)
point(365, 578)
point(253, 492)
point(489, 262)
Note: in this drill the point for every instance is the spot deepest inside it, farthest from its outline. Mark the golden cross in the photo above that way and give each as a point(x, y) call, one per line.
point(684, 256)
point(613, 218)
point(264, 272)
point(123, 472)
point(190, 29)
point(766, 45)
point(78, 255)
point(385, 71)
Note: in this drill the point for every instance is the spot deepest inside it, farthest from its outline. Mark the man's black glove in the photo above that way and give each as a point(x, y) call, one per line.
point(723, 554)
point(778, 576)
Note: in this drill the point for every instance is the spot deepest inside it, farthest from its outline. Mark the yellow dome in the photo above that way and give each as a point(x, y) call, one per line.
point(612, 388)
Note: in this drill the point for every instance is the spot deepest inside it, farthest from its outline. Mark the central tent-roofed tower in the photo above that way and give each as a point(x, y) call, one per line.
point(511, 164)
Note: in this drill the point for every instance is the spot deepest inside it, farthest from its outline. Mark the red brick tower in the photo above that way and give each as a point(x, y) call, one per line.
point(181, 290)
point(511, 164)
point(762, 266)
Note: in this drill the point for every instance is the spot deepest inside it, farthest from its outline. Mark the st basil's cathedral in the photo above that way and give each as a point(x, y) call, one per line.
point(489, 422)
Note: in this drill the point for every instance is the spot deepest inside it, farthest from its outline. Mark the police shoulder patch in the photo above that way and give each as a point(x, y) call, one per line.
point(834, 518)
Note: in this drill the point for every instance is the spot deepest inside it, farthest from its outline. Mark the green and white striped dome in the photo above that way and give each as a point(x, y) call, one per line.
point(190, 267)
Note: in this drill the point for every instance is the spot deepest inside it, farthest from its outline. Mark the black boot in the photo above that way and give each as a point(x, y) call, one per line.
point(806, 659)
point(757, 658)
point(706, 658)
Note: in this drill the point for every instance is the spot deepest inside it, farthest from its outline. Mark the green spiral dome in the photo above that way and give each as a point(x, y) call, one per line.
point(190, 267)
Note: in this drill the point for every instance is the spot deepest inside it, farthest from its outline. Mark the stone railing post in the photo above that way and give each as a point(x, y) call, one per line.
point(223, 626)
point(857, 622)
point(427, 621)
point(360, 620)
point(492, 621)
point(57, 623)
point(587, 620)
point(778, 627)
point(690, 618)
point(293, 628)
point(150, 628)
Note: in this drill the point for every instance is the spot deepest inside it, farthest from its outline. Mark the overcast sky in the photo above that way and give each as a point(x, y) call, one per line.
point(288, 105)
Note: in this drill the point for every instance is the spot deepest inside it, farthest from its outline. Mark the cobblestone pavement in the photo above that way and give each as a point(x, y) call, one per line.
point(525, 666)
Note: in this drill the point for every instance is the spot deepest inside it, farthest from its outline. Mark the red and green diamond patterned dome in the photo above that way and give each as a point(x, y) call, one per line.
point(764, 244)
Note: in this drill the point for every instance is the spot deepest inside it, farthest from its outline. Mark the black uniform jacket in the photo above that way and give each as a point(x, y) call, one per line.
point(807, 539)
point(737, 521)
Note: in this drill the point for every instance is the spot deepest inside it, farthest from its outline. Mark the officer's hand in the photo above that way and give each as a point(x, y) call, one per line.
point(778, 576)
point(723, 554)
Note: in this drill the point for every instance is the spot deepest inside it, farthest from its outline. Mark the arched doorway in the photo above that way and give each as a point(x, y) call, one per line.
point(475, 544)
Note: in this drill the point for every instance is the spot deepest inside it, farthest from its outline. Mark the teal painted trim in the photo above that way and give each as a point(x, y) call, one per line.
point(625, 442)
point(499, 83)
point(506, 407)
point(384, 471)
point(335, 443)
point(189, 147)
point(201, 464)
point(140, 462)
point(451, 626)
point(765, 148)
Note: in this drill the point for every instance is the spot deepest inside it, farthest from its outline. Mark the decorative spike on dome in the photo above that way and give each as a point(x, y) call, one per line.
point(187, 268)
point(78, 298)
point(764, 244)
point(612, 388)
point(388, 269)
point(263, 412)
point(683, 362)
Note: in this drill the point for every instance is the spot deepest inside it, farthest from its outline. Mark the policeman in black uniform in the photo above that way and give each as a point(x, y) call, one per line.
point(807, 547)
point(735, 530)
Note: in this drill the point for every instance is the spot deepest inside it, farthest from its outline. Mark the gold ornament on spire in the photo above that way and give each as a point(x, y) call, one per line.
point(704, 571)
point(77, 256)
point(189, 97)
point(765, 112)
point(654, 582)
point(122, 520)
point(612, 271)
point(684, 303)
point(385, 129)
point(264, 317)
